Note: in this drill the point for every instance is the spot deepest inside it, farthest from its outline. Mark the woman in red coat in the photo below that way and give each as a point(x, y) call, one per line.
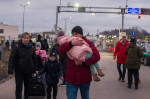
point(121, 56)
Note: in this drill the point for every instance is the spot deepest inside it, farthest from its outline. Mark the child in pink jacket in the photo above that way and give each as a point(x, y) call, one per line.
point(81, 53)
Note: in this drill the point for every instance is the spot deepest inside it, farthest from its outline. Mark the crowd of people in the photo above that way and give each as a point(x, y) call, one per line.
point(72, 59)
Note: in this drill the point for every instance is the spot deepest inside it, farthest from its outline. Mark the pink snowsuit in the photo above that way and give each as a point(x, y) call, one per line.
point(76, 53)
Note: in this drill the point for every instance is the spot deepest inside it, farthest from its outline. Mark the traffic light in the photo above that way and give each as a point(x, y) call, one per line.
point(139, 16)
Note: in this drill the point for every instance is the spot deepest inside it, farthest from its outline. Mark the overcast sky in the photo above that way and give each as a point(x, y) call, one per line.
point(40, 15)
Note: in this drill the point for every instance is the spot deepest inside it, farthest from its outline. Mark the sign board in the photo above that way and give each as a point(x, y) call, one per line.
point(121, 34)
point(145, 11)
point(133, 33)
point(81, 9)
point(133, 10)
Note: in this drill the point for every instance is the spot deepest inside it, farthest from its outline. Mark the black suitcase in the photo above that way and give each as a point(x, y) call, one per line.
point(37, 88)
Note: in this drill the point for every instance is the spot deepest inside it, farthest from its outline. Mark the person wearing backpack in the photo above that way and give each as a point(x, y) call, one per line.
point(53, 71)
point(133, 62)
point(23, 61)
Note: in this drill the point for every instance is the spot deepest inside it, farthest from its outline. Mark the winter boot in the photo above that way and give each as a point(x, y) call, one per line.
point(100, 73)
point(54, 97)
point(119, 78)
point(123, 80)
point(129, 86)
point(139, 81)
point(136, 87)
point(95, 78)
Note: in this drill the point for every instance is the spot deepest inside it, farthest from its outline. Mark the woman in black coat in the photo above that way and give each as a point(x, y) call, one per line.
point(23, 61)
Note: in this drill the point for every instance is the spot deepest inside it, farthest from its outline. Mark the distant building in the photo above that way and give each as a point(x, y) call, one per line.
point(8, 32)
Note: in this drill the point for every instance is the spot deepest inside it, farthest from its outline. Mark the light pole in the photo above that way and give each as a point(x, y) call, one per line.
point(57, 11)
point(123, 12)
point(126, 4)
point(66, 23)
point(24, 6)
point(60, 2)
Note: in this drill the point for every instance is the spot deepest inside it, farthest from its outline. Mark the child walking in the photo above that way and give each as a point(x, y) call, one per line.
point(40, 62)
point(53, 71)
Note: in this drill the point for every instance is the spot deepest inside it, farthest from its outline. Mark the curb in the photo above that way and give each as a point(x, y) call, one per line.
point(4, 80)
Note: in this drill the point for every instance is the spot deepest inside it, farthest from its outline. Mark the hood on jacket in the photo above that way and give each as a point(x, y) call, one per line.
point(121, 41)
point(45, 40)
point(132, 44)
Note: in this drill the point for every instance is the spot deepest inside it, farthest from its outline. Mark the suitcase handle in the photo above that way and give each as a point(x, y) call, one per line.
point(34, 76)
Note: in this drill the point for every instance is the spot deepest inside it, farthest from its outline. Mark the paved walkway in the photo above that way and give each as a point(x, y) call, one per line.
point(108, 88)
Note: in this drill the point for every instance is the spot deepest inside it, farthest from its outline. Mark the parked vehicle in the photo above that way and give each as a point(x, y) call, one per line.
point(146, 51)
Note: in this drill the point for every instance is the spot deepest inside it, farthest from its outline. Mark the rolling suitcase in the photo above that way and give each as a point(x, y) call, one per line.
point(37, 88)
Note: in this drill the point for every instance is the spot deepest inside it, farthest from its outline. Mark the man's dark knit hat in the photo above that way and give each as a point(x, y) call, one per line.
point(133, 40)
point(77, 29)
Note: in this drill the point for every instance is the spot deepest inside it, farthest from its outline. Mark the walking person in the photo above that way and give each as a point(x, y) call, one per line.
point(31, 41)
point(7, 44)
point(121, 57)
point(1, 49)
point(41, 41)
point(23, 61)
point(45, 45)
point(78, 76)
point(40, 62)
point(133, 62)
point(62, 58)
point(53, 71)
point(81, 53)
point(13, 44)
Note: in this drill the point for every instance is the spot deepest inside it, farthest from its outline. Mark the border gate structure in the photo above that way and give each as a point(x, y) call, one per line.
point(109, 10)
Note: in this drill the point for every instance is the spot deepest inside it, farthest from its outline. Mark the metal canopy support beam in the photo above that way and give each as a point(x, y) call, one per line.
point(109, 10)
point(90, 9)
point(123, 12)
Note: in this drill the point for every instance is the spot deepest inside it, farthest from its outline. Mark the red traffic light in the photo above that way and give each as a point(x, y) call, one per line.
point(139, 16)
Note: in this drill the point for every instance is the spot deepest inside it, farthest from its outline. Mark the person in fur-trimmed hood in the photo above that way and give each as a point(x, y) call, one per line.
point(133, 62)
